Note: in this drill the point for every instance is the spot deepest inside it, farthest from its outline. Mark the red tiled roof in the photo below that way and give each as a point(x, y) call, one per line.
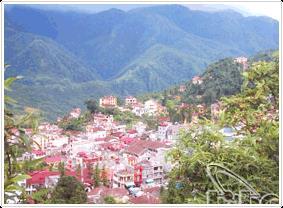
point(163, 124)
point(53, 159)
point(145, 200)
point(132, 131)
point(116, 192)
point(127, 140)
point(38, 177)
point(118, 134)
point(139, 146)
point(38, 152)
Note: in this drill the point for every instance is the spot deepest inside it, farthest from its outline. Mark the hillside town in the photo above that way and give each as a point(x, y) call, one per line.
point(131, 160)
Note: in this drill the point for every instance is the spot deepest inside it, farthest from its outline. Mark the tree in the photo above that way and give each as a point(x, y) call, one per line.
point(61, 168)
point(78, 170)
point(74, 124)
point(16, 142)
point(96, 176)
point(109, 200)
point(42, 196)
point(92, 106)
point(254, 156)
point(104, 176)
point(69, 191)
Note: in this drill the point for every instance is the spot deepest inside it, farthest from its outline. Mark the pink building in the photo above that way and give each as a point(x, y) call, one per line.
point(242, 60)
point(108, 101)
point(75, 113)
point(197, 80)
point(182, 88)
point(130, 100)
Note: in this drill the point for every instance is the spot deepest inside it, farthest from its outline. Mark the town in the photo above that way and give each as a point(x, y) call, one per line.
point(130, 159)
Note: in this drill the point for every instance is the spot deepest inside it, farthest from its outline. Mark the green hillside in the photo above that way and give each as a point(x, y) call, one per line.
point(67, 57)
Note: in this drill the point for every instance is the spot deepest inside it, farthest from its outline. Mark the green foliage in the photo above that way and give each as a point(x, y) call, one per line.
point(61, 168)
point(150, 121)
point(16, 142)
point(109, 200)
point(92, 106)
point(222, 78)
point(96, 176)
point(126, 117)
point(74, 124)
point(259, 97)
point(42, 196)
point(161, 46)
point(254, 156)
point(104, 177)
point(69, 191)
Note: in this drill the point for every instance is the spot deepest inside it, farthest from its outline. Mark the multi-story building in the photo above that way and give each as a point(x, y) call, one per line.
point(162, 130)
point(121, 177)
point(130, 100)
point(108, 101)
point(151, 107)
point(151, 170)
point(242, 60)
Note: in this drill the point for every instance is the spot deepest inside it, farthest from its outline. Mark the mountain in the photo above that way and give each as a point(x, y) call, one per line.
point(67, 57)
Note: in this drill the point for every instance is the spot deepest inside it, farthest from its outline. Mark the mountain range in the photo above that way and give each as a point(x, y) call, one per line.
point(68, 57)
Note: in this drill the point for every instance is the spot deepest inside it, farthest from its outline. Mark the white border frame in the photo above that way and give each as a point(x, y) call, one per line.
point(6, 2)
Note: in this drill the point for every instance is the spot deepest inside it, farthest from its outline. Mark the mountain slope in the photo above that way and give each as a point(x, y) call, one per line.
point(35, 56)
point(72, 56)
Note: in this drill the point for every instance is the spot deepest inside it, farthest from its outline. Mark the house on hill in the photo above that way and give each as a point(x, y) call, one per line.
point(108, 101)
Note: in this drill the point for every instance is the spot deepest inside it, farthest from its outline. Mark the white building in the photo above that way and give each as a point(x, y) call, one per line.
point(151, 107)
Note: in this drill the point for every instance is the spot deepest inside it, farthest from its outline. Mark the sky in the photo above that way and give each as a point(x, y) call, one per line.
point(271, 9)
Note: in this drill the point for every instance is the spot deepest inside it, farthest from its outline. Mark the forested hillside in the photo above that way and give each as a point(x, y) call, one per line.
point(66, 57)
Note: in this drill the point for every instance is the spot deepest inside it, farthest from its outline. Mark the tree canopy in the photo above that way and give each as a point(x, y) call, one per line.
point(253, 154)
point(69, 191)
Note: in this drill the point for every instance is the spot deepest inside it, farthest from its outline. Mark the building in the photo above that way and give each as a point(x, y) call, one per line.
point(152, 172)
point(151, 107)
point(108, 101)
point(197, 80)
point(138, 110)
point(122, 177)
point(75, 113)
point(37, 180)
point(162, 131)
point(182, 88)
point(242, 60)
point(130, 100)
point(172, 133)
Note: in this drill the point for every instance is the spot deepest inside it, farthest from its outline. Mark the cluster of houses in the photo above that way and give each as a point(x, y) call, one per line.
point(132, 158)
point(149, 107)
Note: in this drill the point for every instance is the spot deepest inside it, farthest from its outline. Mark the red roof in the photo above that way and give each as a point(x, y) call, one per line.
point(38, 177)
point(127, 140)
point(118, 134)
point(132, 131)
point(163, 124)
point(139, 146)
point(38, 152)
point(53, 159)
point(163, 119)
point(145, 199)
